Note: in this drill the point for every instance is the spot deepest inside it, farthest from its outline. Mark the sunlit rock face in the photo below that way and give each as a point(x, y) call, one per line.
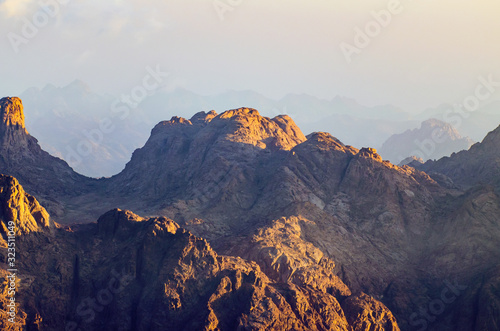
point(127, 272)
point(20, 209)
point(11, 112)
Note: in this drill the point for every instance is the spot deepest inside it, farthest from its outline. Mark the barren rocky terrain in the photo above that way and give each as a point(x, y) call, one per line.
point(248, 224)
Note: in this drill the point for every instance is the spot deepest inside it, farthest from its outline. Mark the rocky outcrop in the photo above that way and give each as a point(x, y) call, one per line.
point(13, 133)
point(285, 257)
point(126, 272)
point(367, 313)
point(433, 140)
point(20, 216)
point(11, 112)
point(245, 125)
point(19, 210)
point(19, 321)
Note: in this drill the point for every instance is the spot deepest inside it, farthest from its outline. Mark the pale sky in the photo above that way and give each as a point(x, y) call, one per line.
point(430, 52)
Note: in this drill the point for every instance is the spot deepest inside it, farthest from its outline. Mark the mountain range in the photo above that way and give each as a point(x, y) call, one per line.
point(249, 224)
point(100, 131)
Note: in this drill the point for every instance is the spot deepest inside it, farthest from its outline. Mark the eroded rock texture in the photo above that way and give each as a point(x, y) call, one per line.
point(309, 233)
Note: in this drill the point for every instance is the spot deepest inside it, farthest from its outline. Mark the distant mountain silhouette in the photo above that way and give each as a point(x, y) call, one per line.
point(79, 115)
point(433, 140)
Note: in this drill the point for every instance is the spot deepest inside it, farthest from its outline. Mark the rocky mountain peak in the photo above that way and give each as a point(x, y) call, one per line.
point(242, 126)
point(179, 120)
point(325, 141)
point(446, 128)
point(20, 209)
point(122, 224)
point(204, 147)
point(203, 117)
point(175, 121)
point(11, 112)
point(240, 112)
point(432, 122)
point(370, 153)
point(247, 126)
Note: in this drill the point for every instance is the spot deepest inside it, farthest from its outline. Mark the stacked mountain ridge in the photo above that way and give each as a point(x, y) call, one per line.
point(310, 234)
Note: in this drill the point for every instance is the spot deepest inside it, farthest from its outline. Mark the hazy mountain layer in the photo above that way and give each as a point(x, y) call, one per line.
point(87, 130)
point(433, 140)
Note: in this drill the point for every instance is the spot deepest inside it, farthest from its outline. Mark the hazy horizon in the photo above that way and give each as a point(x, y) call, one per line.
point(422, 55)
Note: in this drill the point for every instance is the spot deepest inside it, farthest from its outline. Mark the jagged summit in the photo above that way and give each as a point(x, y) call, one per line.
point(409, 161)
point(11, 112)
point(246, 125)
point(13, 134)
point(199, 119)
point(204, 147)
point(124, 224)
point(173, 121)
point(326, 141)
point(242, 125)
point(20, 208)
point(370, 153)
point(243, 111)
point(203, 117)
point(434, 122)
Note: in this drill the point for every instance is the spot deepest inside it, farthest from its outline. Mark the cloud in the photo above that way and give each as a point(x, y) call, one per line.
point(113, 19)
point(84, 57)
point(422, 58)
point(16, 8)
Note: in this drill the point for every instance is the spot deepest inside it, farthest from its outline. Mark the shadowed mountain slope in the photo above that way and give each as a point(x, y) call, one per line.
point(480, 165)
point(130, 273)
